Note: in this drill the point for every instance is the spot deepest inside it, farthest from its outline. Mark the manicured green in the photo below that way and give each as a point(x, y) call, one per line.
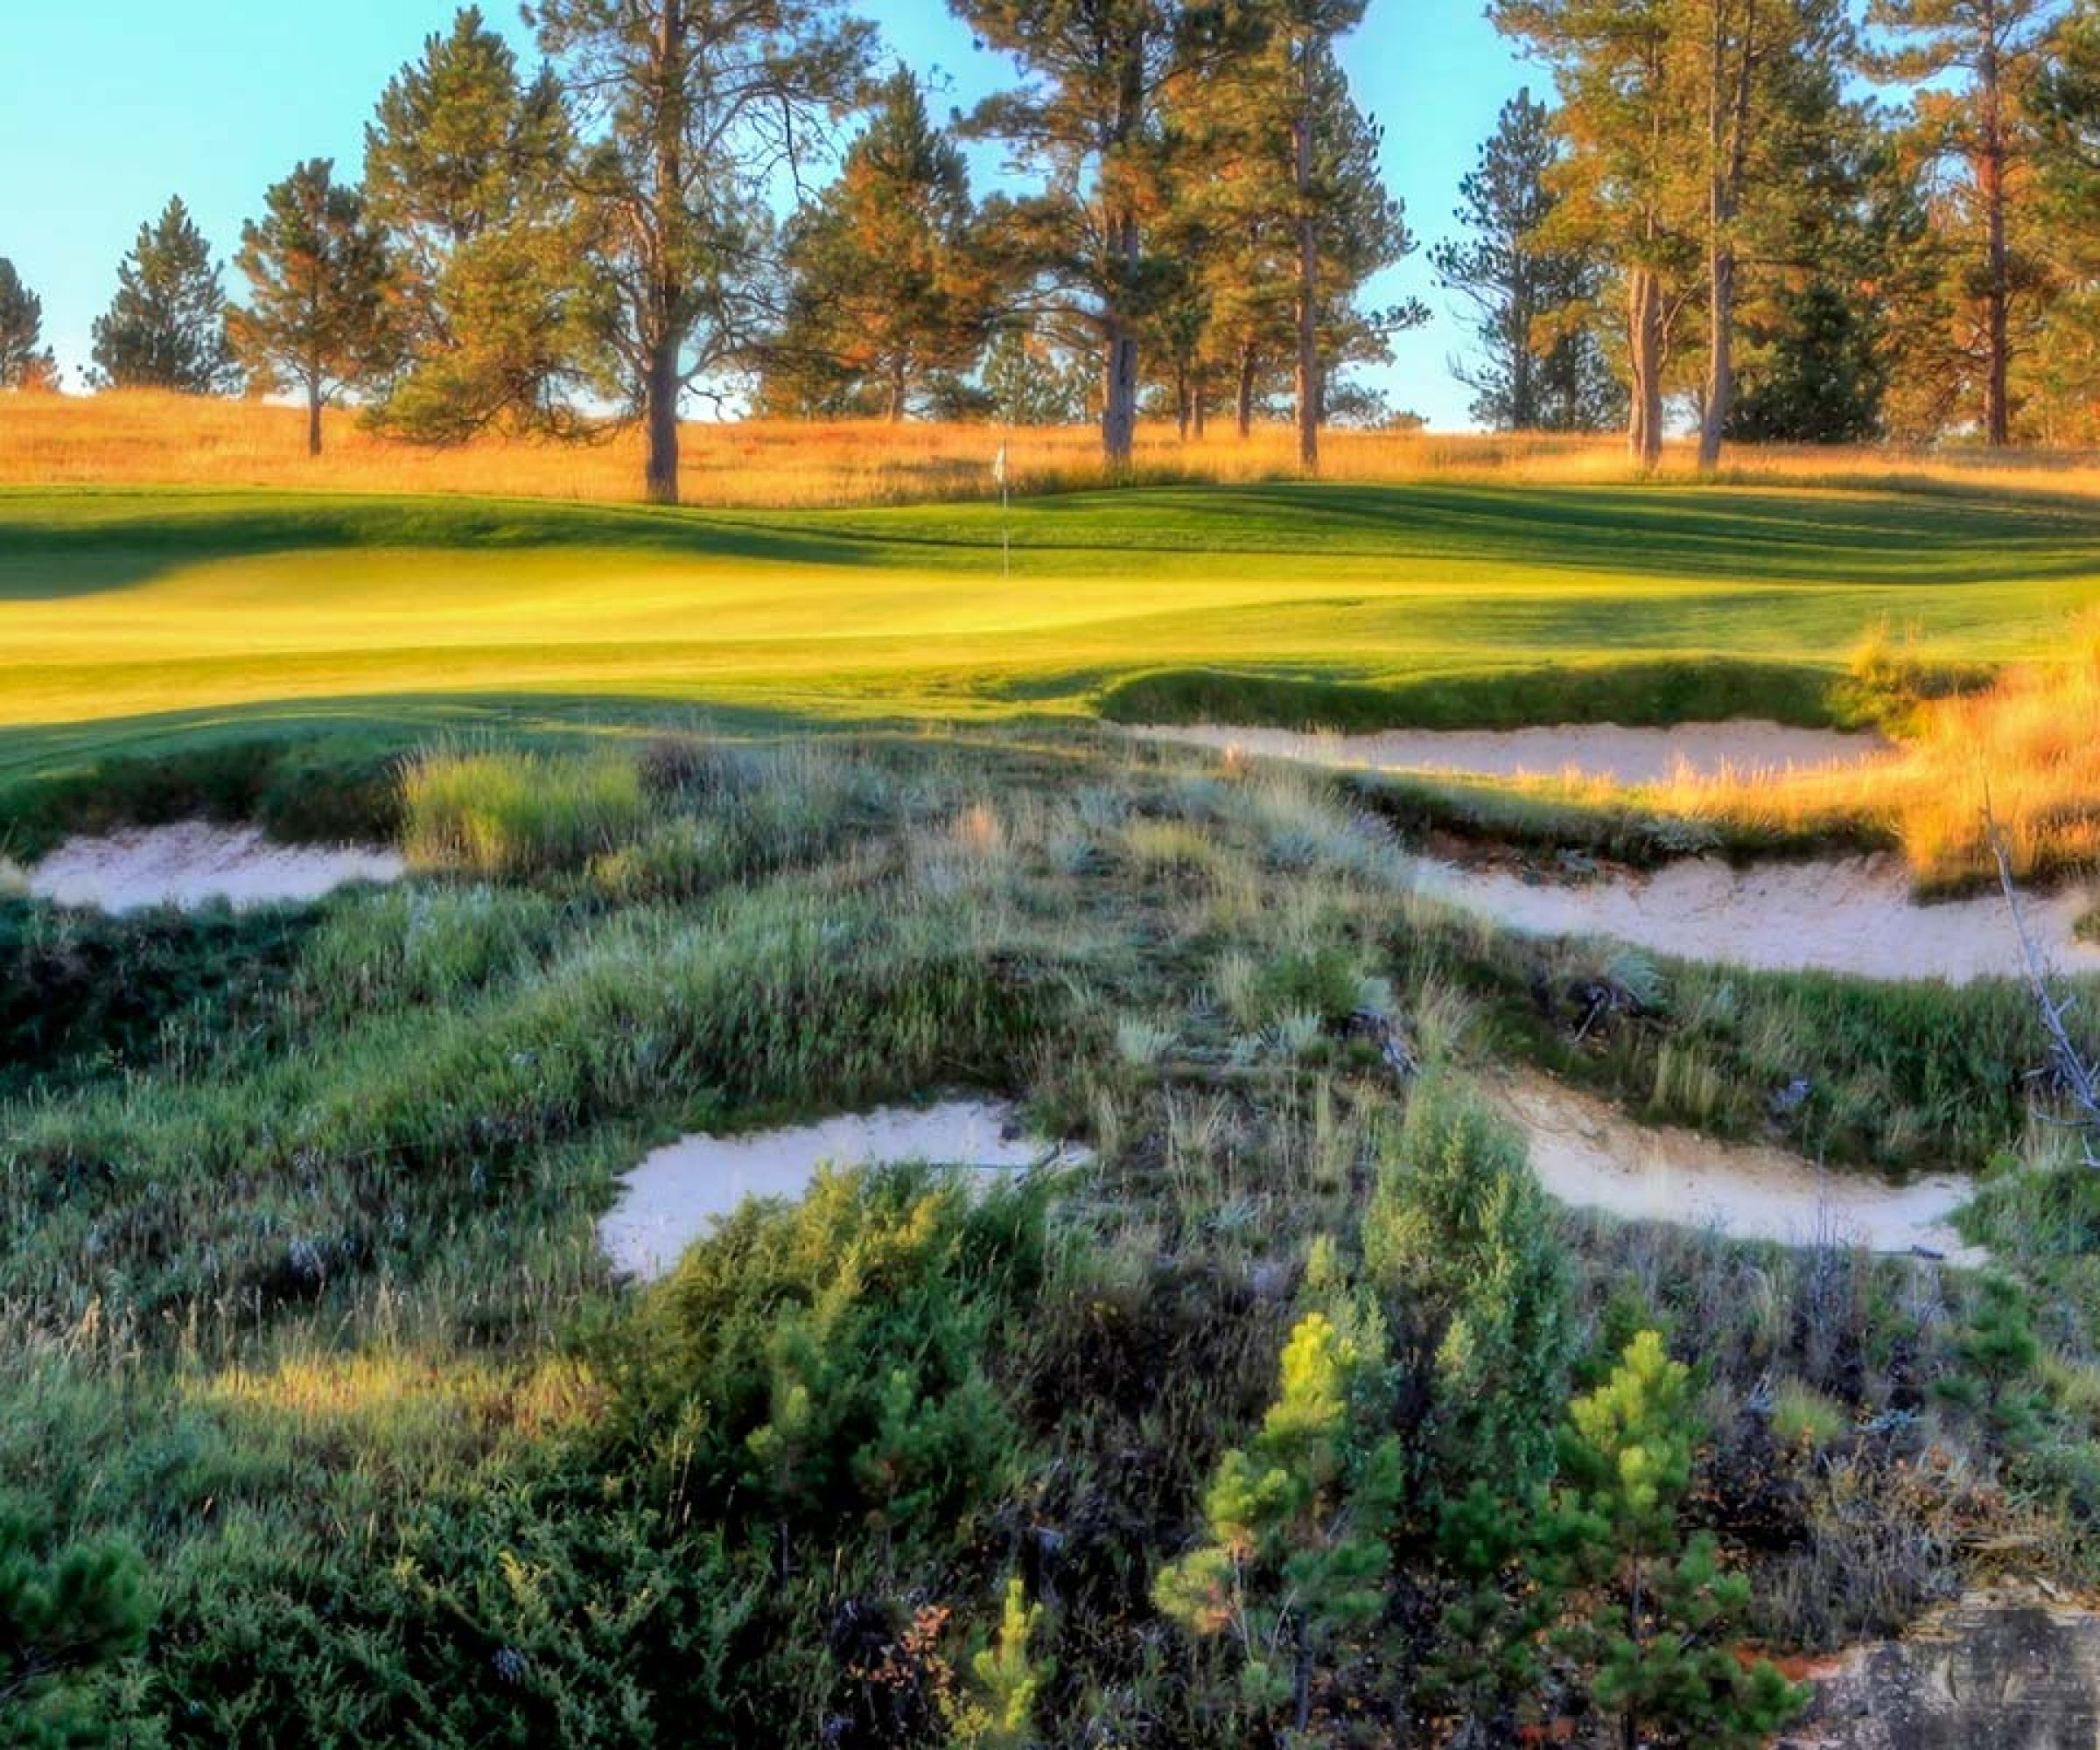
point(1519, 603)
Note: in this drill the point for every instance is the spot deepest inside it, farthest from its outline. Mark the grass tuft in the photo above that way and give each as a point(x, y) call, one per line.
point(512, 816)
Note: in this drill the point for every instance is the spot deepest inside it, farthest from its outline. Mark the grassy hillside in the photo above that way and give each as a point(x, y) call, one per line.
point(116, 605)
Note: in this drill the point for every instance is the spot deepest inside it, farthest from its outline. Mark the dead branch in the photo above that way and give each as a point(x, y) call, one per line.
point(2080, 1080)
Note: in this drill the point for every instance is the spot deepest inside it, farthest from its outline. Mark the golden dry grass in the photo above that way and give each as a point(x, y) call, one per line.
point(2025, 753)
point(144, 437)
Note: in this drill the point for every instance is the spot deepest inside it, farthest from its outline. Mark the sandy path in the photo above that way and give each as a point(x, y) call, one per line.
point(193, 863)
point(1587, 1154)
point(1842, 914)
point(678, 1193)
point(1596, 750)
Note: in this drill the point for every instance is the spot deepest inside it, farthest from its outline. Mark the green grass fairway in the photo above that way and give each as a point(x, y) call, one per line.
point(122, 608)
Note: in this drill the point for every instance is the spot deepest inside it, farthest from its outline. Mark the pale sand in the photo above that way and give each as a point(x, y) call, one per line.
point(679, 1193)
point(193, 863)
point(1838, 915)
point(1590, 750)
point(1591, 1156)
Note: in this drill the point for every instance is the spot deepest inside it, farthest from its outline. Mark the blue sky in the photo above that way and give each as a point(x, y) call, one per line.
point(113, 107)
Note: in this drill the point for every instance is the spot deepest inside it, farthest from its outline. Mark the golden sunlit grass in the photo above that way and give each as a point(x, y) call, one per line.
point(425, 1415)
point(2024, 753)
point(148, 438)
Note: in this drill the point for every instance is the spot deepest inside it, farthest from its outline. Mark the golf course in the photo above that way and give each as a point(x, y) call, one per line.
point(1050, 875)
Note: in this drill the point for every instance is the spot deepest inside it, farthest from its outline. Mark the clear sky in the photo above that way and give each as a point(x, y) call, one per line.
point(114, 106)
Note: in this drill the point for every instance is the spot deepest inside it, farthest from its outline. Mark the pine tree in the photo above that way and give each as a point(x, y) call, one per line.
point(1000, 1714)
point(2064, 376)
point(1295, 1552)
point(1975, 67)
point(165, 328)
point(1624, 108)
point(469, 171)
point(317, 316)
point(1032, 381)
point(1658, 1604)
point(1459, 1242)
point(1820, 376)
point(1540, 367)
point(24, 362)
point(1272, 184)
point(1998, 1350)
point(1099, 73)
point(690, 112)
point(888, 286)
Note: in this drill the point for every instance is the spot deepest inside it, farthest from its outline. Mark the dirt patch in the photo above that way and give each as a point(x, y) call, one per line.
point(1851, 915)
point(678, 1193)
point(1591, 1156)
point(193, 863)
point(1742, 747)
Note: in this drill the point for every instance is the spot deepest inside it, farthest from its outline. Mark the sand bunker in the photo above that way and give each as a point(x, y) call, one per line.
point(1591, 1156)
point(1592, 750)
point(193, 863)
point(678, 1193)
point(1842, 914)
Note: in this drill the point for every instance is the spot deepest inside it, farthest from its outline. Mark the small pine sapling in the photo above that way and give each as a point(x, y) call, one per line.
point(1295, 1551)
point(1653, 1607)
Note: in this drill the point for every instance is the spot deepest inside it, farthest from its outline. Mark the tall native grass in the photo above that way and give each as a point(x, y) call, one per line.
point(140, 437)
point(2022, 753)
point(514, 814)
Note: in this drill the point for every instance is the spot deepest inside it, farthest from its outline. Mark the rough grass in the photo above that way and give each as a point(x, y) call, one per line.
point(315, 1316)
point(509, 814)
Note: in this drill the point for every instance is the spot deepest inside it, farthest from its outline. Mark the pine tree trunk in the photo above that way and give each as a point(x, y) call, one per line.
point(1997, 414)
point(1524, 414)
point(660, 415)
point(313, 417)
point(1242, 399)
point(1644, 359)
point(1720, 355)
point(1120, 383)
point(1308, 271)
point(662, 333)
point(1198, 402)
point(1728, 119)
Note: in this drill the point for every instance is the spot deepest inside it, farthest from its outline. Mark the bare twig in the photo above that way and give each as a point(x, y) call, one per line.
point(2080, 1080)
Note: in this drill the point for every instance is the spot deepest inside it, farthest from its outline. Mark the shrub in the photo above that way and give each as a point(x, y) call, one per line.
point(823, 1364)
point(65, 1612)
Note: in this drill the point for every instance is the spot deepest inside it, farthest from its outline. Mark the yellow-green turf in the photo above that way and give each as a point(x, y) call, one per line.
point(124, 613)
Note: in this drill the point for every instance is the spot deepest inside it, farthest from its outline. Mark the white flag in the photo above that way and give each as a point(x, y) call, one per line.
point(998, 465)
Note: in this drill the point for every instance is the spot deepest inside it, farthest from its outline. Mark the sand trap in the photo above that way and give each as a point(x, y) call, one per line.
point(193, 863)
point(1840, 914)
point(1588, 1155)
point(679, 1193)
point(1591, 750)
